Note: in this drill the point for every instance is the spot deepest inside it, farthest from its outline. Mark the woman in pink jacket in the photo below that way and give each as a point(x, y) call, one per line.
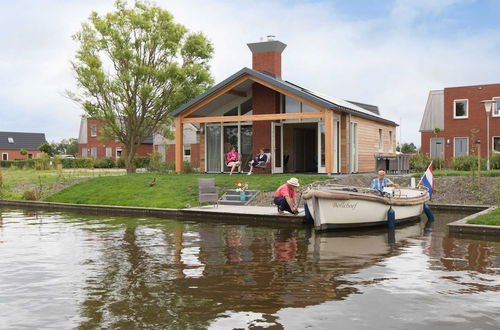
point(232, 160)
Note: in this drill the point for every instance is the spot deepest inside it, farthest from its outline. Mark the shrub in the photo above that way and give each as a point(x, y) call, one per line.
point(188, 168)
point(141, 162)
point(466, 163)
point(495, 162)
point(77, 162)
point(168, 167)
point(24, 163)
point(6, 163)
point(104, 163)
point(419, 162)
point(120, 162)
point(155, 162)
point(42, 164)
point(31, 194)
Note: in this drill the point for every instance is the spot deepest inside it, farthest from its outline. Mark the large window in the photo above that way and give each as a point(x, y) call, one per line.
point(496, 143)
point(460, 109)
point(496, 107)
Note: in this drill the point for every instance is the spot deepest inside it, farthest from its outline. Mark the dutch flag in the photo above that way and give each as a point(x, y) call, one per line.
point(428, 180)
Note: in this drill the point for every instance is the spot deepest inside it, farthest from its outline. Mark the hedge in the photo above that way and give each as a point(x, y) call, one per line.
point(466, 163)
point(77, 162)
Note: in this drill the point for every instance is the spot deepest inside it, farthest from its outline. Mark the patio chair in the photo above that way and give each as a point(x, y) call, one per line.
point(208, 192)
point(263, 165)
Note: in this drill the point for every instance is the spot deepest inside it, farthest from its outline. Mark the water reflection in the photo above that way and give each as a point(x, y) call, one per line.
point(95, 272)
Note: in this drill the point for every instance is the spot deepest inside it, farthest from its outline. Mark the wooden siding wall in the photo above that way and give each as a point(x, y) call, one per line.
point(368, 142)
point(344, 139)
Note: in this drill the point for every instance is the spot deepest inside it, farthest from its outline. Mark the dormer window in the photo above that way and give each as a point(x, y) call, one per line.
point(11, 140)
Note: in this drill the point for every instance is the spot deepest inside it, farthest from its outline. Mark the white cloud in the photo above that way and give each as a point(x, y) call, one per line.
point(382, 61)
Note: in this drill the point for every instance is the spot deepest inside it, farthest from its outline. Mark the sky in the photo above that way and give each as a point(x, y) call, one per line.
point(388, 53)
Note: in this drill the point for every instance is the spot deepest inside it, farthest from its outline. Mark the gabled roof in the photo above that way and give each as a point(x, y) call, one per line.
point(19, 140)
point(320, 99)
point(434, 112)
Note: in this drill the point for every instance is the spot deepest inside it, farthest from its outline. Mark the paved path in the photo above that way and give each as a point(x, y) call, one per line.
point(239, 209)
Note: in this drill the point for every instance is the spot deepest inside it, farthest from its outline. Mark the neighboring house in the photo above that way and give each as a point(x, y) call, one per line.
point(456, 111)
point(302, 130)
point(191, 150)
point(91, 144)
point(11, 144)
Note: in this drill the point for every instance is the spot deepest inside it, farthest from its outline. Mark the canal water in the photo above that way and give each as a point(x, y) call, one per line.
point(62, 270)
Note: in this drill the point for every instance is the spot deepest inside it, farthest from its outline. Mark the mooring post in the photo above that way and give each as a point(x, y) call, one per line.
point(428, 212)
point(391, 218)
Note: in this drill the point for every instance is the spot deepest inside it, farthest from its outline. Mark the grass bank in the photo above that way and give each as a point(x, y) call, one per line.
point(170, 191)
point(18, 183)
point(492, 219)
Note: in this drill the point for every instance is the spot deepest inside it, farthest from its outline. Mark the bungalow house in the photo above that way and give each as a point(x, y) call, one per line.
point(460, 117)
point(302, 130)
point(92, 144)
point(11, 144)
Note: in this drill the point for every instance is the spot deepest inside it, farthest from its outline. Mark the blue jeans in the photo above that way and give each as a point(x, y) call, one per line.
point(282, 204)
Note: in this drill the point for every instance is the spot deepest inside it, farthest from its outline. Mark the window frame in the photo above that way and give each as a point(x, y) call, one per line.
point(5, 154)
point(496, 105)
point(380, 140)
point(455, 109)
point(493, 144)
point(93, 130)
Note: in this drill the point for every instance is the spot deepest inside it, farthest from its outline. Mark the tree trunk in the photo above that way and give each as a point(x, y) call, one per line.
point(129, 160)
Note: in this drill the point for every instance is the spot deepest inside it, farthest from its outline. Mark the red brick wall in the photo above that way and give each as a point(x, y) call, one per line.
point(267, 61)
point(195, 154)
point(461, 127)
point(265, 100)
point(15, 154)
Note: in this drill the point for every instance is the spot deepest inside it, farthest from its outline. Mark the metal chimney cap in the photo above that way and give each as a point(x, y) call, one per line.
point(267, 46)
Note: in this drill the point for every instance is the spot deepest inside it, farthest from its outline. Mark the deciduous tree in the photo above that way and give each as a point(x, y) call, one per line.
point(134, 66)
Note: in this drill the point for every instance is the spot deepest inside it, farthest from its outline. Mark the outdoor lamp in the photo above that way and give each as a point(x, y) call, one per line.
point(487, 107)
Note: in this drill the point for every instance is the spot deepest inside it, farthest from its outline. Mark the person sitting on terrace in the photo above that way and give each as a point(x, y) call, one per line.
point(285, 197)
point(259, 160)
point(232, 160)
point(381, 182)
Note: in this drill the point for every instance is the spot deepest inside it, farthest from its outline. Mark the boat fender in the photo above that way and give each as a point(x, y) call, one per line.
point(428, 212)
point(307, 214)
point(391, 218)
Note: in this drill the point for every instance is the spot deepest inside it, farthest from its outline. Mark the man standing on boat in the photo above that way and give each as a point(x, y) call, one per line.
point(285, 197)
point(381, 182)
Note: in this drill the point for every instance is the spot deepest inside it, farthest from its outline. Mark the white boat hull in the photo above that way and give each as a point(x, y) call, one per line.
point(337, 209)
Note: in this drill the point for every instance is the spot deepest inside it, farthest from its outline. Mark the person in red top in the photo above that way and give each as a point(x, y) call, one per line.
point(232, 160)
point(285, 197)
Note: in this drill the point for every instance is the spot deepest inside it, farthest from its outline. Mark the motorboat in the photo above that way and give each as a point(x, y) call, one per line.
point(347, 207)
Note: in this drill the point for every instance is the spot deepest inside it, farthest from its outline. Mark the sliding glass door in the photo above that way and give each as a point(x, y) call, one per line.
point(219, 141)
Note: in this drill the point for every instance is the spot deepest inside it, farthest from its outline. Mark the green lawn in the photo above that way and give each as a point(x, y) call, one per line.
point(170, 191)
point(491, 173)
point(492, 218)
point(16, 181)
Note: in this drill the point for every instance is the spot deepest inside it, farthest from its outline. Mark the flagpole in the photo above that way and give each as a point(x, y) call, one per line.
point(419, 182)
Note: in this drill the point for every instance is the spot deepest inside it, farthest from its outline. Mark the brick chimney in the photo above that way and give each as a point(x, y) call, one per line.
point(266, 55)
